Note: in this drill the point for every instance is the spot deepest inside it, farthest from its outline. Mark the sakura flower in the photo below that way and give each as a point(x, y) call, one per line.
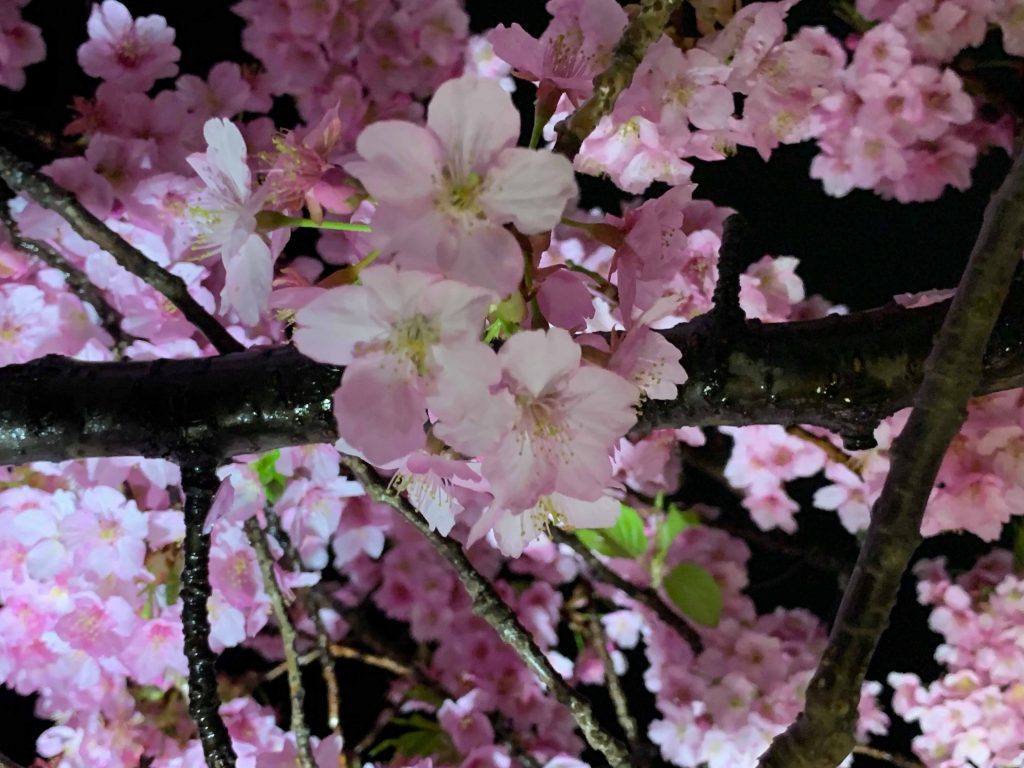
point(21, 44)
point(134, 53)
point(445, 191)
point(229, 209)
point(576, 46)
point(387, 332)
point(565, 419)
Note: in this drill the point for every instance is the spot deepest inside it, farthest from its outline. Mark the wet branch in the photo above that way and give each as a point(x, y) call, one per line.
point(843, 373)
point(199, 482)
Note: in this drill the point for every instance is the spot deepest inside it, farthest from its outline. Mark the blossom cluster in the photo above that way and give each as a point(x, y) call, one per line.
point(974, 713)
point(885, 108)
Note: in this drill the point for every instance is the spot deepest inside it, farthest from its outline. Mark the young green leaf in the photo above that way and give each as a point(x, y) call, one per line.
point(273, 482)
point(695, 593)
point(624, 539)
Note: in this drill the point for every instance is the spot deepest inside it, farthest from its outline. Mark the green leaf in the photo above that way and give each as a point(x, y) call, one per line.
point(425, 694)
point(273, 482)
point(624, 539)
point(424, 738)
point(695, 593)
point(672, 524)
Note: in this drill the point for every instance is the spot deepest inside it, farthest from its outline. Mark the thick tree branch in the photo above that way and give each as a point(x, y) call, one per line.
point(199, 482)
point(822, 735)
point(23, 178)
point(488, 605)
point(644, 29)
point(842, 373)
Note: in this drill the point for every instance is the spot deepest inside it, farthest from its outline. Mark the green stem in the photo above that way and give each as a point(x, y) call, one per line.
point(268, 220)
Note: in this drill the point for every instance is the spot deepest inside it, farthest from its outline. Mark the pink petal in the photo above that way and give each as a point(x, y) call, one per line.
point(529, 189)
point(474, 119)
point(401, 162)
point(329, 327)
point(379, 410)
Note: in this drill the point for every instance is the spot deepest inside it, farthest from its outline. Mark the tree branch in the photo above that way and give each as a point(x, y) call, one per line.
point(488, 605)
point(822, 735)
point(199, 482)
point(23, 178)
point(77, 280)
point(646, 27)
point(288, 639)
point(291, 560)
point(844, 373)
point(618, 696)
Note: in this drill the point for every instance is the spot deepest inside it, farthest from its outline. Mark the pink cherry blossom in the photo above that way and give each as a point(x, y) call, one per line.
point(575, 47)
point(21, 44)
point(565, 418)
point(444, 191)
point(133, 53)
point(388, 332)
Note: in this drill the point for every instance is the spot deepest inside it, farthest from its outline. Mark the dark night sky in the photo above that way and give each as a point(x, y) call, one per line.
point(858, 250)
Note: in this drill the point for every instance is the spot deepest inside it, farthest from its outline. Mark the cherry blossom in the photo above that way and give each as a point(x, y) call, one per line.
point(228, 215)
point(443, 200)
point(133, 53)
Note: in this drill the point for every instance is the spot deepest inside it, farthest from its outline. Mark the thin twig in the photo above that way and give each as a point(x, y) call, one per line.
point(23, 178)
point(78, 282)
point(6, 762)
point(646, 27)
point(886, 757)
point(644, 596)
point(199, 482)
point(339, 651)
point(832, 451)
point(414, 671)
point(487, 604)
point(292, 561)
point(611, 677)
point(822, 735)
point(296, 692)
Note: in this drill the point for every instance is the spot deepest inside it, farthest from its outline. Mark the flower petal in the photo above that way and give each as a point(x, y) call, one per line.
point(401, 162)
point(474, 119)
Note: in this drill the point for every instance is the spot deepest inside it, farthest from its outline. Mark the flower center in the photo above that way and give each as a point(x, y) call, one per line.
point(459, 195)
point(413, 338)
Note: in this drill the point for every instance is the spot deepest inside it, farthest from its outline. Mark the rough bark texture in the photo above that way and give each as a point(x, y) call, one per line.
point(199, 482)
point(843, 373)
